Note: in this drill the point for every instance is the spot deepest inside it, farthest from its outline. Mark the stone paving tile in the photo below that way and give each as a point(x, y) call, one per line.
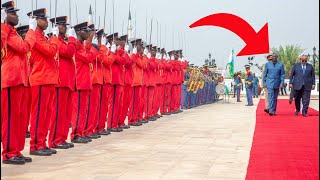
point(208, 142)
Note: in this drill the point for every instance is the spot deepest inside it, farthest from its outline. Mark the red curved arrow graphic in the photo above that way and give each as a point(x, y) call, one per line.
point(256, 43)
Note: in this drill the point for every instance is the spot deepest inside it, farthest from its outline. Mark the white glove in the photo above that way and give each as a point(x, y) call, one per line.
point(145, 51)
point(95, 40)
point(134, 50)
point(164, 56)
point(179, 59)
point(182, 59)
point(172, 57)
point(32, 24)
point(108, 45)
point(158, 55)
point(126, 48)
point(3, 15)
point(149, 55)
point(72, 33)
point(113, 48)
point(103, 40)
point(168, 58)
point(55, 31)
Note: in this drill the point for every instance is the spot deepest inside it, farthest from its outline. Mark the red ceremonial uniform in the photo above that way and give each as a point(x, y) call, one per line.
point(14, 80)
point(85, 54)
point(137, 82)
point(151, 88)
point(158, 93)
point(118, 87)
point(43, 78)
point(163, 81)
point(128, 90)
point(94, 96)
point(169, 69)
point(144, 90)
point(61, 119)
point(107, 89)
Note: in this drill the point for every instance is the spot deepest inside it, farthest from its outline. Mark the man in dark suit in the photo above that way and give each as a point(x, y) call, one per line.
point(302, 80)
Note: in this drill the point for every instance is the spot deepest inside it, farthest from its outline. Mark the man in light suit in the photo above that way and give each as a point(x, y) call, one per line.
point(302, 80)
point(273, 78)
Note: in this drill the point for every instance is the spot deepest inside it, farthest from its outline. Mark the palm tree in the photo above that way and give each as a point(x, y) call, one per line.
point(288, 56)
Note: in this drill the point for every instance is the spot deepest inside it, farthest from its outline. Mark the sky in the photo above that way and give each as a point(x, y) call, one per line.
point(290, 22)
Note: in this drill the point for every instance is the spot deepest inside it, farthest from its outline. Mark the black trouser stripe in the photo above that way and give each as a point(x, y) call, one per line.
point(78, 114)
point(113, 101)
point(9, 119)
point(133, 101)
point(57, 113)
point(170, 97)
point(147, 101)
point(88, 112)
point(37, 120)
point(100, 104)
point(164, 97)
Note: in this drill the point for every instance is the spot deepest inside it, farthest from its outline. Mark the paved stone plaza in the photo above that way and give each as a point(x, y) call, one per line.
point(208, 142)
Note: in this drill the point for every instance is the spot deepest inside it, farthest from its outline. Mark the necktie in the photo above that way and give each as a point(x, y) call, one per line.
point(303, 69)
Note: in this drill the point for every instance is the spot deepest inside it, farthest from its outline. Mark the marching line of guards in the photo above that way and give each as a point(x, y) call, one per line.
point(78, 76)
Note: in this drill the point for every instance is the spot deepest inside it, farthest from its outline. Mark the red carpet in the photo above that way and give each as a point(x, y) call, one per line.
point(284, 147)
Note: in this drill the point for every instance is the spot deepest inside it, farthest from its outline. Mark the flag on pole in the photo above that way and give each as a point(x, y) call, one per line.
point(230, 64)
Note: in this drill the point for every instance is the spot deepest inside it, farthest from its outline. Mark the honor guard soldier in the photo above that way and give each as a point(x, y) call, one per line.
point(117, 51)
point(163, 80)
point(43, 78)
point(14, 83)
point(128, 90)
point(94, 96)
point(22, 31)
point(248, 85)
point(255, 85)
point(85, 54)
point(137, 82)
point(106, 92)
point(60, 121)
point(237, 85)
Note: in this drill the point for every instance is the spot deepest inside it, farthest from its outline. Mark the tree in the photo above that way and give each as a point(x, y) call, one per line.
point(288, 56)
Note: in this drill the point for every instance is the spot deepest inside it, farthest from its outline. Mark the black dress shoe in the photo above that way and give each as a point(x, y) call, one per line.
point(296, 113)
point(115, 130)
point(266, 110)
point(26, 159)
point(62, 146)
point(27, 134)
point(14, 160)
point(152, 119)
point(290, 101)
point(304, 114)
point(92, 136)
point(144, 121)
point(120, 129)
point(104, 132)
point(41, 152)
point(125, 127)
point(50, 150)
point(135, 124)
point(86, 138)
point(79, 139)
point(272, 114)
point(180, 111)
point(71, 145)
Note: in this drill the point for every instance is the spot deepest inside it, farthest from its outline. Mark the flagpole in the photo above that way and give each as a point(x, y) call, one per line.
point(104, 18)
point(113, 18)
